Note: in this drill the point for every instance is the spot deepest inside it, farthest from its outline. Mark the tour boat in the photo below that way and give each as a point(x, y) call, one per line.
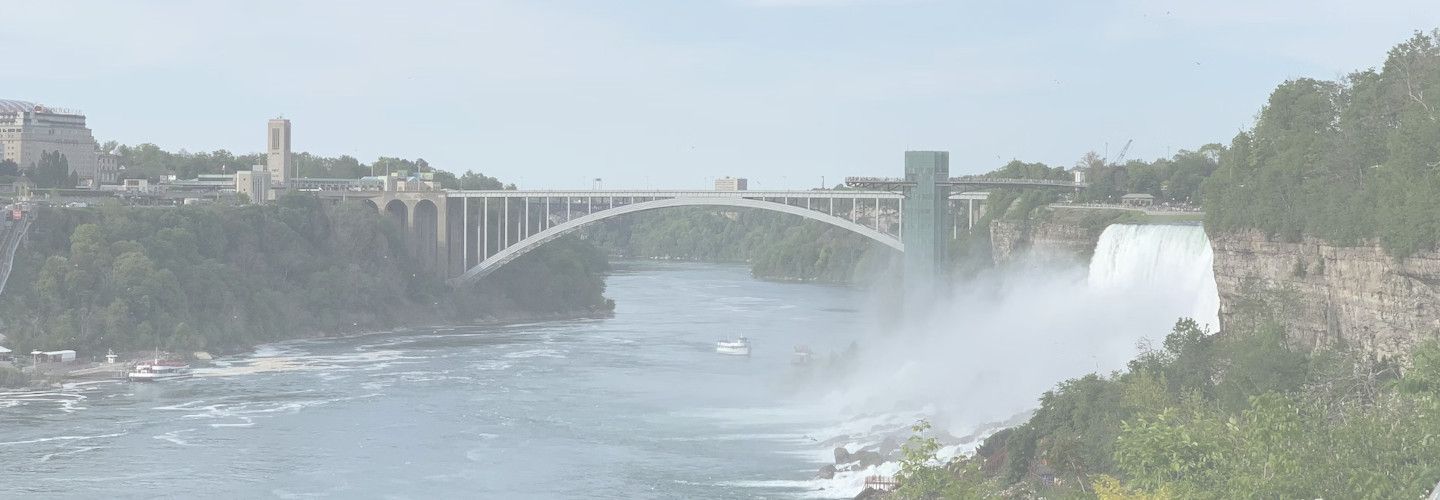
point(739, 347)
point(802, 355)
point(152, 371)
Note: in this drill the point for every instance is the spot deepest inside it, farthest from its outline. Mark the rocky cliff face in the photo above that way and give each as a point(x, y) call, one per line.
point(1059, 235)
point(1359, 296)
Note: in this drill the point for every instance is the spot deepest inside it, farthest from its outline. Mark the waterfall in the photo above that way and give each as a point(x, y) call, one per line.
point(1168, 261)
point(987, 350)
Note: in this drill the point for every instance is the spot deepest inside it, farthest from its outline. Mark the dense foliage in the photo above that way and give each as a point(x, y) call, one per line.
point(150, 161)
point(1177, 179)
point(1237, 415)
point(222, 278)
point(777, 246)
point(1342, 160)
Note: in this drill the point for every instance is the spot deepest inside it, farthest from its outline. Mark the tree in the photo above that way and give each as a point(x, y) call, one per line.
point(923, 476)
point(52, 171)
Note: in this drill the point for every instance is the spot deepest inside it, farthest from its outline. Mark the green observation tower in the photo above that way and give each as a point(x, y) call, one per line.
point(927, 194)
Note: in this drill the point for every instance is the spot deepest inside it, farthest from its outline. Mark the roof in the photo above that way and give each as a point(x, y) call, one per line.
point(1136, 196)
point(3, 350)
point(9, 106)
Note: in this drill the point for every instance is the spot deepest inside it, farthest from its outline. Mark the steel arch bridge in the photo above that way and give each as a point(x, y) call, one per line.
point(466, 235)
point(542, 216)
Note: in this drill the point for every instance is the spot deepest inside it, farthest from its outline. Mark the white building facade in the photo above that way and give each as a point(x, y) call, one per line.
point(28, 130)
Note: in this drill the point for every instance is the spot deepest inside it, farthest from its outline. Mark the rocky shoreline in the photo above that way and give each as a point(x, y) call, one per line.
point(56, 375)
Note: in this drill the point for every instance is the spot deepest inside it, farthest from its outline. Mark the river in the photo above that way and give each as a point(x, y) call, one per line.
point(636, 406)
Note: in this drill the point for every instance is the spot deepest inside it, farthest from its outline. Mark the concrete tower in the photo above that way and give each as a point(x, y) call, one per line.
point(277, 159)
point(925, 236)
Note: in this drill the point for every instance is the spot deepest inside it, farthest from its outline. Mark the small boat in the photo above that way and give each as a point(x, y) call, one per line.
point(157, 370)
point(738, 347)
point(802, 355)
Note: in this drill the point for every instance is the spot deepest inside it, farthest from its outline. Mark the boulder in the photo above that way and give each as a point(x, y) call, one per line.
point(867, 458)
point(889, 446)
point(826, 472)
point(842, 456)
point(870, 494)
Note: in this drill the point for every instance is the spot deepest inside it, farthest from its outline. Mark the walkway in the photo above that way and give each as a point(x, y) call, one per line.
point(11, 233)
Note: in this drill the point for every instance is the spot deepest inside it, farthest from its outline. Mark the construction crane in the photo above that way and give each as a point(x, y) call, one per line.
point(1121, 157)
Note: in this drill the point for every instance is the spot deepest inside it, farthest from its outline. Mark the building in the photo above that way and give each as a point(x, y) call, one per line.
point(137, 185)
point(1137, 200)
point(254, 184)
point(64, 356)
point(731, 184)
point(107, 169)
point(278, 159)
point(28, 130)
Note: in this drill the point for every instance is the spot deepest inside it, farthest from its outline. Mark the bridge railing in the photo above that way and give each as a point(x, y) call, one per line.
point(968, 180)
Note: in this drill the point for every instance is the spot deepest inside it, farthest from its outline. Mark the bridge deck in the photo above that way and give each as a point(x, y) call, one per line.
point(671, 193)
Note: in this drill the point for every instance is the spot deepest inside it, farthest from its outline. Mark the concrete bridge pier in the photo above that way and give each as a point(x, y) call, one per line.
point(426, 220)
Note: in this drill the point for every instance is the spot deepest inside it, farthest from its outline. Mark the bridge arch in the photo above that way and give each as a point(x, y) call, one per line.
point(399, 212)
point(425, 230)
point(510, 253)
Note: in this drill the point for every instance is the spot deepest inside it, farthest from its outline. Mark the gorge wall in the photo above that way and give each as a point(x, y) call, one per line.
point(1358, 296)
point(1050, 234)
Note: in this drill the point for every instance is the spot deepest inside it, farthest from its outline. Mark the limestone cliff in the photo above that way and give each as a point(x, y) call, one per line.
point(1358, 296)
point(1050, 234)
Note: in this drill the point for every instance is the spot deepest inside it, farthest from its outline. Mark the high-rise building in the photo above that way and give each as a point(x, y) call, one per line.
point(28, 130)
point(277, 159)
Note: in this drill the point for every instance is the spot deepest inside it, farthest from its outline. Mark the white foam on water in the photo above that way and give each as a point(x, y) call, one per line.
point(535, 353)
point(62, 438)
point(173, 437)
point(75, 451)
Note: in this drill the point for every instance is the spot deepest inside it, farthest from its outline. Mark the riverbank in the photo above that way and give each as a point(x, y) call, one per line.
point(222, 279)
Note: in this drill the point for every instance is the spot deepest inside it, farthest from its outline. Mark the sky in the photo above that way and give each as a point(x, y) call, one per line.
point(673, 94)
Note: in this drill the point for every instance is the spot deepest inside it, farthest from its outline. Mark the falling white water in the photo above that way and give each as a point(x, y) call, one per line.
point(998, 342)
point(1166, 259)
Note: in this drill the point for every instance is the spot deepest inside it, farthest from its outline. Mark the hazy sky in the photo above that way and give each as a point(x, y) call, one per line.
point(673, 93)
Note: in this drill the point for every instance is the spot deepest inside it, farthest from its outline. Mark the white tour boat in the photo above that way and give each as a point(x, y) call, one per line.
point(802, 355)
point(152, 371)
point(738, 347)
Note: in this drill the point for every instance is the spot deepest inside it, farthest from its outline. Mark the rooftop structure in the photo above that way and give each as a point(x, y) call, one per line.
point(732, 184)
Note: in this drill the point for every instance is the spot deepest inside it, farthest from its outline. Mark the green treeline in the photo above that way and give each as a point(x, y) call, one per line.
point(222, 278)
point(1346, 161)
point(150, 161)
point(777, 246)
point(1178, 179)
